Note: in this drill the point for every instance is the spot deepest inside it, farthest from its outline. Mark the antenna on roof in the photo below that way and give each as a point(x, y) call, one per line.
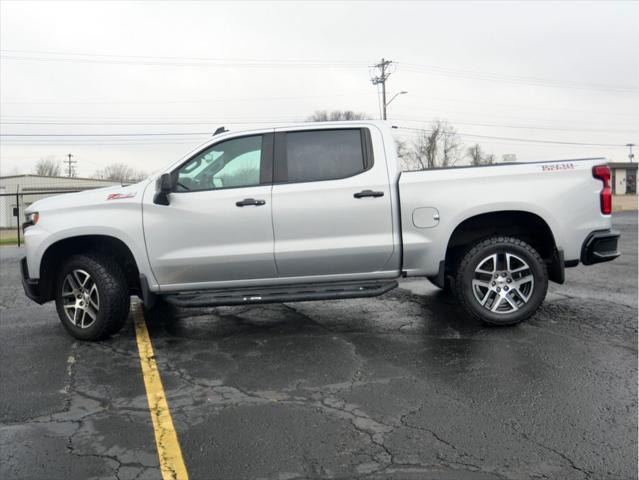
point(220, 130)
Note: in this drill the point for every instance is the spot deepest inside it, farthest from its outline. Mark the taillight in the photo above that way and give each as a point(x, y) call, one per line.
point(602, 172)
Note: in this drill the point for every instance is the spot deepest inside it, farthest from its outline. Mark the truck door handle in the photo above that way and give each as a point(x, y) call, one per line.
point(368, 193)
point(250, 201)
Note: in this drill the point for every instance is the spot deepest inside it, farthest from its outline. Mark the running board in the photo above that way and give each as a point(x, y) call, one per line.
point(280, 294)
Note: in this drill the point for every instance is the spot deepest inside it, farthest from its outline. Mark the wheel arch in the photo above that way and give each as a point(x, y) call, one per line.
point(57, 252)
point(522, 224)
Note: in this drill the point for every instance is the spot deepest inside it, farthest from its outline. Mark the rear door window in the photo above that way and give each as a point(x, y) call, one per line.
point(316, 155)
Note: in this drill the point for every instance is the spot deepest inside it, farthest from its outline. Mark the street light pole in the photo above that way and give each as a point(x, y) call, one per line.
point(403, 92)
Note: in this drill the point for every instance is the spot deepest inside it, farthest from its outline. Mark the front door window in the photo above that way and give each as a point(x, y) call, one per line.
point(230, 164)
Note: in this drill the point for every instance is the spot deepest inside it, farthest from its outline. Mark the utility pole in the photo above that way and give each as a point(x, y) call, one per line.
point(71, 168)
point(631, 155)
point(382, 70)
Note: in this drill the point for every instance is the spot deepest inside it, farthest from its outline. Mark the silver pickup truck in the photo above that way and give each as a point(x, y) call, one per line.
point(315, 212)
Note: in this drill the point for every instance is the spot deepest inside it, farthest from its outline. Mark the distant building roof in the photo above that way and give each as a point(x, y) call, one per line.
point(626, 165)
point(30, 175)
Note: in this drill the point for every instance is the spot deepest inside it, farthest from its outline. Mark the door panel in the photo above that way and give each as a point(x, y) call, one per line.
point(217, 227)
point(205, 237)
point(322, 227)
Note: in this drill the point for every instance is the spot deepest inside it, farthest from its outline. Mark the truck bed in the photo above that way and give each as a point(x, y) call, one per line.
point(563, 193)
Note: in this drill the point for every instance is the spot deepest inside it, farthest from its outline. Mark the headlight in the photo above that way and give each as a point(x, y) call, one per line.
point(31, 219)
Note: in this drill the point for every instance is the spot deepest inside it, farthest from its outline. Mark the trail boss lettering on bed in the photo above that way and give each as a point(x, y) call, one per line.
point(557, 166)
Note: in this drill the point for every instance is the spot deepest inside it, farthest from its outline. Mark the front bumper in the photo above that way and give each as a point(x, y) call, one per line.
point(31, 286)
point(600, 246)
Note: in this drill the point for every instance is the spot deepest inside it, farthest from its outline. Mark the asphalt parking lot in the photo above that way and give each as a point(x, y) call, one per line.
point(403, 386)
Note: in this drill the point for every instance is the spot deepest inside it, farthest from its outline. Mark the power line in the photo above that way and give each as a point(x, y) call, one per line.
point(525, 127)
point(463, 134)
point(225, 60)
point(438, 99)
point(99, 144)
point(515, 79)
point(188, 63)
point(214, 122)
point(524, 140)
point(102, 134)
point(35, 55)
point(210, 100)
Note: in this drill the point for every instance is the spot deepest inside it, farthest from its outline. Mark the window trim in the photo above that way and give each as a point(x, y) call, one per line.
point(266, 162)
point(280, 165)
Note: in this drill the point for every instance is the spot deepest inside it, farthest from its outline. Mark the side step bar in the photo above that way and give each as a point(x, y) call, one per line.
point(279, 294)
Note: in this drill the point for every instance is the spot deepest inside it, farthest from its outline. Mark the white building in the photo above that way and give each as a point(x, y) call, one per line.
point(34, 187)
point(624, 178)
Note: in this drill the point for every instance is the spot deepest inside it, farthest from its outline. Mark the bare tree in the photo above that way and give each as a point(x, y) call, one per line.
point(336, 115)
point(120, 172)
point(47, 167)
point(475, 154)
point(478, 157)
point(438, 146)
point(406, 155)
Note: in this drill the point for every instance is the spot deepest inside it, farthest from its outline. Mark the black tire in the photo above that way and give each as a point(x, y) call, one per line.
point(112, 288)
point(474, 258)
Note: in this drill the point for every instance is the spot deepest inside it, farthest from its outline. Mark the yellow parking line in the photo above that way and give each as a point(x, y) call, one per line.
point(169, 452)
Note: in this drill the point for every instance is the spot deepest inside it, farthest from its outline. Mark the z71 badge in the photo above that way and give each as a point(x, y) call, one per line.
point(119, 196)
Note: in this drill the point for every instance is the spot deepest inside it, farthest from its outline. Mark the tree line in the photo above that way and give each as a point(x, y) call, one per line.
point(116, 172)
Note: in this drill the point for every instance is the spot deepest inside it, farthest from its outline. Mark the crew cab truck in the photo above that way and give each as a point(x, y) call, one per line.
point(315, 212)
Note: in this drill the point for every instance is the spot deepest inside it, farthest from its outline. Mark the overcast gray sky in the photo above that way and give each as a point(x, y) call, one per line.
point(564, 72)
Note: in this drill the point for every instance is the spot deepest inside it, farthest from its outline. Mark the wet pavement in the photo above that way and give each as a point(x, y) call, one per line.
point(399, 387)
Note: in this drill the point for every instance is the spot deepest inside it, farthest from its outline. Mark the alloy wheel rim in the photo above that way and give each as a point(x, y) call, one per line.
point(503, 283)
point(81, 299)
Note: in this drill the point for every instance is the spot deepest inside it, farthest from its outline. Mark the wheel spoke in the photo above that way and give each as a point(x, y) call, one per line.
point(70, 279)
point(94, 297)
point(523, 281)
point(510, 301)
point(90, 312)
point(477, 285)
point(493, 259)
point(79, 281)
point(496, 303)
point(481, 283)
point(523, 297)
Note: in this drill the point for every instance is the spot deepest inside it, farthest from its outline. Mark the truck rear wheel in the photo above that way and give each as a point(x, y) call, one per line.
point(92, 296)
point(501, 280)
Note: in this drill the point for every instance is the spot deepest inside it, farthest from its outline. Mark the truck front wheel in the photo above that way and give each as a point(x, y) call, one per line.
point(92, 296)
point(501, 280)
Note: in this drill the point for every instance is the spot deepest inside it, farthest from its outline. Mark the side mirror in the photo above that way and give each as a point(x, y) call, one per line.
point(164, 185)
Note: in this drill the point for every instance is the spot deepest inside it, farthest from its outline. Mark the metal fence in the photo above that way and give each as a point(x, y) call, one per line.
point(14, 204)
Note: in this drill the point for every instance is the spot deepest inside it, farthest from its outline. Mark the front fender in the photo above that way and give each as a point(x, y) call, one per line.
point(123, 223)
